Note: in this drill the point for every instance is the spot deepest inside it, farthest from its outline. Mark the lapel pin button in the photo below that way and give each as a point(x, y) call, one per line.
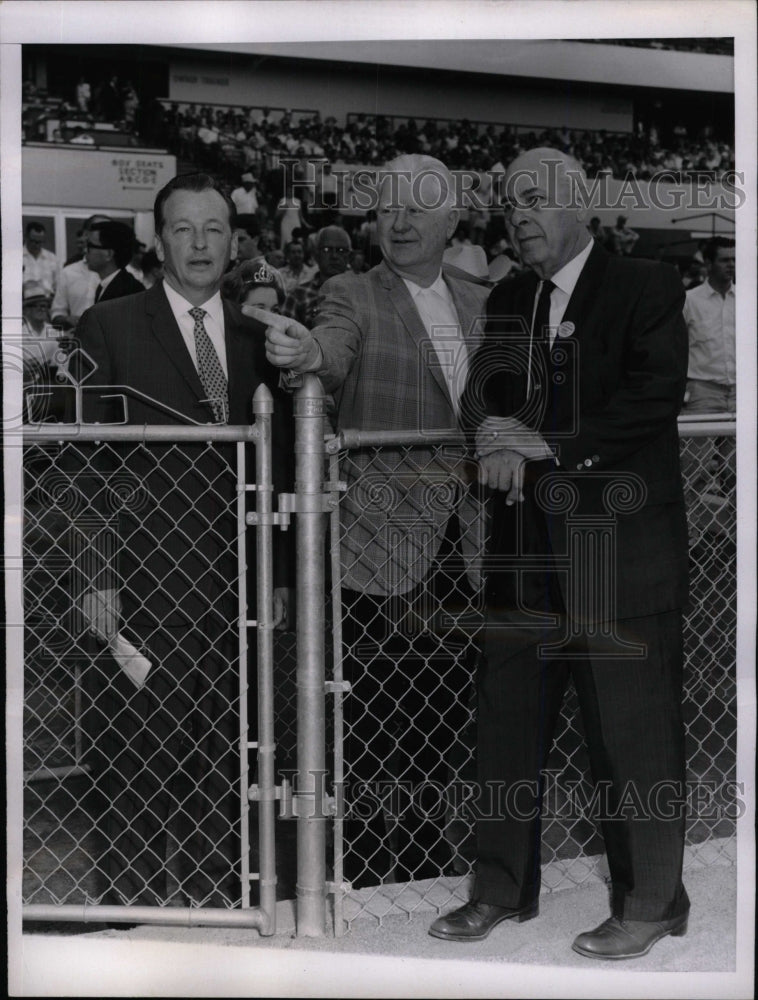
point(566, 329)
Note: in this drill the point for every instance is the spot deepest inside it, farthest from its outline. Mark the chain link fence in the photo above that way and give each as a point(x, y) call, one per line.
point(137, 799)
point(139, 760)
point(405, 839)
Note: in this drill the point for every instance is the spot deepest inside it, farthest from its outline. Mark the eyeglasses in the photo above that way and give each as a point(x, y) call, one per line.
point(339, 251)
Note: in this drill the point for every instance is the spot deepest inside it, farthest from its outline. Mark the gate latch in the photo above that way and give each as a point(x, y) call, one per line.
point(292, 806)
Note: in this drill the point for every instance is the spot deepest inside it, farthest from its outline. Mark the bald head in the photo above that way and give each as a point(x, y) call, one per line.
point(416, 215)
point(544, 216)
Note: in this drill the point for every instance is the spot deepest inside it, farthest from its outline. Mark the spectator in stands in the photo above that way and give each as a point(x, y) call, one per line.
point(357, 261)
point(41, 356)
point(289, 215)
point(130, 106)
point(709, 312)
point(372, 344)
point(597, 231)
point(83, 95)
point(76, 288)
point(248, 243)
point(296, 271)
point(110, 246)
point(332, 253)
point(623, 238)
point(81, 137)
point(152, 269)
point(38, 263)
point(245, 198)
point(255, 283)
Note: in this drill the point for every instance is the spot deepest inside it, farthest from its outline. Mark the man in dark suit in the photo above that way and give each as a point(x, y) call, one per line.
point(574, 396)
point(168, 754)
point(108, 250)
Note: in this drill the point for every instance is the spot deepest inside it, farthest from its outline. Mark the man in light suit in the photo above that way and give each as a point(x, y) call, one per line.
point(574, 395)
point(393, 345)
point(167, 755)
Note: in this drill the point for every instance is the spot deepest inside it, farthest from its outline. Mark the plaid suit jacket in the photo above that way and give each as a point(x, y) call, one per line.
point(385, 374)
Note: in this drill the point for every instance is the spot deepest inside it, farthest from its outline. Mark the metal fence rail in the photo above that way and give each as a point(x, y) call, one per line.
point(137, 789)
point(376, 472)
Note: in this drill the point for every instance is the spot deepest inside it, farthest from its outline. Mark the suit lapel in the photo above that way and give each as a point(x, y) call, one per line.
point(583, 298)
point(238, 366)
point(402, 302)
point(167, 333)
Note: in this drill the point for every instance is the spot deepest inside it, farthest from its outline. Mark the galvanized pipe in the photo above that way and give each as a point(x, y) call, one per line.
point(175, 916)
point(310, 409)
point(145, 433)
point(689, 426)
point(263, 407)
point(242, 674)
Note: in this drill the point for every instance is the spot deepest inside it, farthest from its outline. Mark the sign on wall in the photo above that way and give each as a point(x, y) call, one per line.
point(82, 178)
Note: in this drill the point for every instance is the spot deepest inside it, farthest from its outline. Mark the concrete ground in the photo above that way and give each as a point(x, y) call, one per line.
point(397, 957)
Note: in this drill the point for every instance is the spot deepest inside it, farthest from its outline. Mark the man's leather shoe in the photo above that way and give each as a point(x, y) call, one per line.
point(474, 920)
point(616, 938)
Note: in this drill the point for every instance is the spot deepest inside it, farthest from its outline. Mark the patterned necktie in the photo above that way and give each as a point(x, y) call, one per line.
point(209, 368)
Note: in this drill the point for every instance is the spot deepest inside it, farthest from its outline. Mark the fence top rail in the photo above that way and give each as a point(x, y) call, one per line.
point(694, 425)
point(144, 433)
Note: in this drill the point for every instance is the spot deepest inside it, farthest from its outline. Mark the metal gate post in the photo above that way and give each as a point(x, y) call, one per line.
point(309, 406)
point(263, 407)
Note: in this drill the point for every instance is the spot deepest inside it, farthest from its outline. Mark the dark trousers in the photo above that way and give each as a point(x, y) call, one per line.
point(632, 715)
point(166, 764)
point(410, 668)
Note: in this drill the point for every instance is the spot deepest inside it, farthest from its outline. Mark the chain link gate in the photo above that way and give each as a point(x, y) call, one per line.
point(138, 789)
point(371, 471)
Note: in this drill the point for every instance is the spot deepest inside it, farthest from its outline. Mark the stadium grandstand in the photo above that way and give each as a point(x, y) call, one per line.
point(668, 117)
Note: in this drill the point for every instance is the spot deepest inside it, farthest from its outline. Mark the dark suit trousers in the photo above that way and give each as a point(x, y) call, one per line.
point(410, 672)
point(632, 715)
point(167, 762)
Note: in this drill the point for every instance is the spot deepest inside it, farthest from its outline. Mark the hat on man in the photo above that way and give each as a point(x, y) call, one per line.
point(467, 261)
point(34, 293)
point(248, 179)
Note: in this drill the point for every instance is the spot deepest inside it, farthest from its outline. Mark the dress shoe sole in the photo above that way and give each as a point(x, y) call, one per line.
point(520, 915)
point(679, 931)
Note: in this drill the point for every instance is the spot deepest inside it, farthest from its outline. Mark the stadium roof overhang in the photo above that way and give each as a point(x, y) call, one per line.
point(546, 59)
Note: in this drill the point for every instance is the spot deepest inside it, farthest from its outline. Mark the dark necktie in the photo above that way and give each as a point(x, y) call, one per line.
point(541, 339)
point(209, 368)
point(98, 293)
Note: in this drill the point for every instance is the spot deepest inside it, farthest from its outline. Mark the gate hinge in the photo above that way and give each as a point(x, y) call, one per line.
point(332, 888)
point(309, 503)
point(337, 687)
point(280, 517)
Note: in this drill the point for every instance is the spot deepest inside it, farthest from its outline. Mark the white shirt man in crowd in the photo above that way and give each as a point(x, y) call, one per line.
point(39, 264)
point(77, 283)
point(244, 197)
point(709, 314)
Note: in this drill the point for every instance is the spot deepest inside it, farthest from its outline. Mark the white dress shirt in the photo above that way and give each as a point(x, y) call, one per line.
point(565, 282)
point(44, 268)
point(710, 324)
point(213, 322)
point(438, 314)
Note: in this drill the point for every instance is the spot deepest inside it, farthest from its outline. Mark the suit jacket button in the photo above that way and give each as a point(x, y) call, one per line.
point(588, 462)
point(595, 458)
